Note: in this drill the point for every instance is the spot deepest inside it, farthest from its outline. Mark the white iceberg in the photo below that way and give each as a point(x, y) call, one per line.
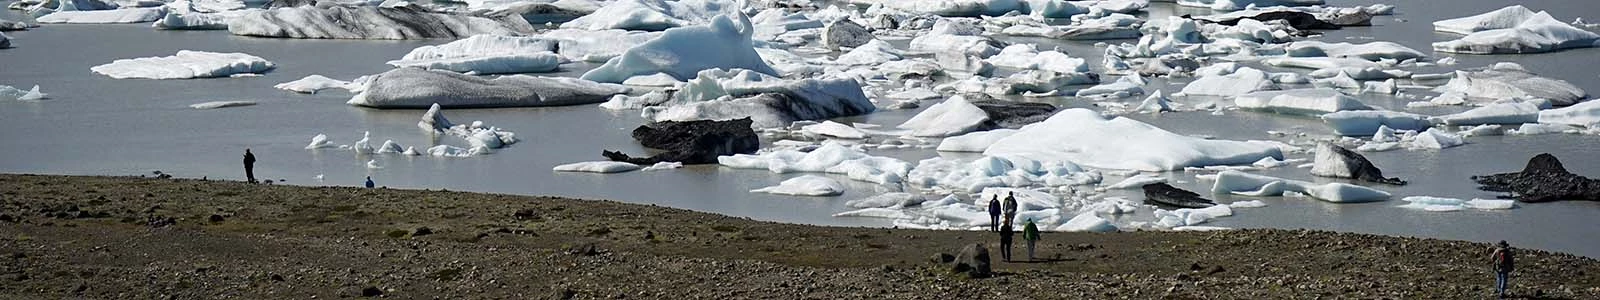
point(830, 158)
point(1026, 57)
point(476, 133)
point(1442, 204)
point(1187, 217)
point(8, 92)
point(221, 104)
point(807, 185)
point(684, 52)
point(1513, 29)
point(485, 44)
point(834, 129)
point(489, 64)
point(768, 100)
point(1087, 222)
point(665, 165)
point(185, 65)
point(1510, 81)
point(1244, 4)
point(418, 88)
point(951, 8)
point(1300, 101)
point(341, 22)
point(652, 15)
point(1581, 114)
point(1242, 81)
point(972, 176)
point(1241, 183)
point(1434, 138)
point(1125, 86)
point(1367, 122)
point(313, 83)
point(1085, 137)
point(596, 167)
point(974, 141)
point(1497, 113)
point(320, 141)
point(113, 16)
point(954, 116)
point(887, 200)
point(597, 46)
point(1374, 51)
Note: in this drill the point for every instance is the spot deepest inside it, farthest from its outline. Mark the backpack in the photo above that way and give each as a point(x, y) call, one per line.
point(1503, 260)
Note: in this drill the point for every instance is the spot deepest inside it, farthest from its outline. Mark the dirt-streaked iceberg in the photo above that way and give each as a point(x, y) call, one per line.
point(419, 88)
point(768, 100)
point(340, 22)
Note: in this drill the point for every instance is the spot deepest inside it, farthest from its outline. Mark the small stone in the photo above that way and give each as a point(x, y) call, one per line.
point(421, 231)
point(371, 291)
point(526, 214)
point(216, 219)
point(276, 277)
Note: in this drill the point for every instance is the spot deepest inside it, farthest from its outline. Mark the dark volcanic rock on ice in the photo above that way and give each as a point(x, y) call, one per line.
point(692, 142)
point(1296, 19)
point(1003, 114)
point(1338, 162)
point(1165, 194)
point(1543, 180)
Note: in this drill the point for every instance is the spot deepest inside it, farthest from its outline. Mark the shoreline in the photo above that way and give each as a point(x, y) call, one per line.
point(120, 237)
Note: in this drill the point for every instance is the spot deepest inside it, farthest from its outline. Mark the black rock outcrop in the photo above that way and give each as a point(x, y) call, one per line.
point(1162, 193)
point(692, 142)
point(1004, 114)
point(1543, 180)
point(1298, 20)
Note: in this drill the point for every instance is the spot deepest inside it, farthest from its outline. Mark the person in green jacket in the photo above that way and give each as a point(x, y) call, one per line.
point(1030, 234)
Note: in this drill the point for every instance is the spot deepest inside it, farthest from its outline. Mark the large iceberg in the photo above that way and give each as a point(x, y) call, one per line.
point(1367, 122)
point(1513, 29)
point(185, 65)
point(952, 117)
point(1373, 51)
point(684, 52)
point(1509, 81)
point(418, 88)
point(1241, 183)
point(975, 141)
point(484, 45)
point(805, 185)
point(1300, 101)
point(1581, 114)
point(340, 22)
point(830, 158)
point(1241, 81)
point(1087, 138)
point(596, 46)
point(972, 176)
point(113, 16)
point(652, 14)
point(770, 101)
point(489, 64)
point(1498, 113)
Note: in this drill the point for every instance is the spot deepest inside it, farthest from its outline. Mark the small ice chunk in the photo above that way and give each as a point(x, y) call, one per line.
point(834, 129)
point(807, 185)
point(313, 83)
point(665, 165)
point(597, 167)
point(320, 141)
point(221, 104)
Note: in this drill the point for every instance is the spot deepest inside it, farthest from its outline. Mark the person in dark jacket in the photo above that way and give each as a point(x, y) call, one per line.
point(369, 182)
point(1011, 208)
point(249, 166)
point(1504, 263)
point(1030, 234)
point(1005, 241)
point(994, 213)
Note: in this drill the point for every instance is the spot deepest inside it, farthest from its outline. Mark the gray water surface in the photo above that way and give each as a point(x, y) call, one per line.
point(95, 125)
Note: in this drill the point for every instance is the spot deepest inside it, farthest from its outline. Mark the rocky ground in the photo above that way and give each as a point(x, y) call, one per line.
point(143, 238)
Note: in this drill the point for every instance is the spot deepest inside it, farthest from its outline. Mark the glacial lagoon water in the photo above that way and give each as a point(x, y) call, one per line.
point(95, 125)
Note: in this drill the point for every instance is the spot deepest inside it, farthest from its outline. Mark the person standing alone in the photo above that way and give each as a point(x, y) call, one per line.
point(249, 166)
point(994, 213)
point(1503, 265)
point(1030, 234)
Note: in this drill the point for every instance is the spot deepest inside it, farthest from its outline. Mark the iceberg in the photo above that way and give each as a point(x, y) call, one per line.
point(185, 65)
point(1581, 114)
point(1243, 4)
point(1300, 101)
point(476, 133)
point(341, 22)
point(975, 141)
point(770, 101)
point(313, 83)
point(1513, 29)
point(485, 44)
point(973, 176)
point(1026, 57)
point(807, 185)
point(1498, 113)
point(1367, 122)
point(221, 104)
point(488, 64)
point(593, 166)
point(1436, 139)
point(834, 129)
point(1241, 183)
point(1242, 81)
point(1087, 222)
point(113, 16)
point(1085, 137)
point(1374, 51)
point(8, 92)
point(652, 15)
point(887, 200)
point(320, 141)
point(951, 8)
point(596, 46)
point(418, 88)
point(874, 52)
point(952, 117)
point(684, 52)
point(1441, 204)
point(831, 158)
point(191, 20)
point(1509, 81)
point(1124, 87)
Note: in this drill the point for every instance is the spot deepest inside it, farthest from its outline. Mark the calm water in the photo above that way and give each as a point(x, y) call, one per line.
point(96, 125)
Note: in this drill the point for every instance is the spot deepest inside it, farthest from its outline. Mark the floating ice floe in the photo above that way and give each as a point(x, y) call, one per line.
point(1537, 129)
point(768, 100)
point(1186, 217)
point(1026, 57)
point(1087, 138)
point(1242, 81)
point(1242, 4)
point(1510, 81)
point(653, 15)
point(834, 129)
point(476, 133)
point(1374, 51)
point(973, 176)
point(185, 65)
point(313, 83)
point(887, 200)
point(1087, 222)
point(11, 93)
point(684, 52)
point(1434, 138)
point(1581, 114)
point(1300, 101)
point(1513, 29)
point(341, 22)
point(1354, 123)
point(177, 19)
point(596, 46)
point(974, 141)
point(952, 8)
point(1497, 113)
point(1240, 183)
point(872, 53)
point(453, 151)
point(806, 185)
point(419, 88)
point(954, 116)
point(830, 158)
point(665, 165)
point(320, 141)
point(1125, 86)
point(594, 167)
point(489, 64)
point(221, 104)
point(112, 16)
point(1441, 204)
point(1136, 181)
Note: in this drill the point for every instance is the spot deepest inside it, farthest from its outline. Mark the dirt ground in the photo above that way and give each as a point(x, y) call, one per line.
point(149, 238)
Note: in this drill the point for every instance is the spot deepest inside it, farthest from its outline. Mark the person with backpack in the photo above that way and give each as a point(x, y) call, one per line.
point(994, 213)
point(249, 166)
point(1005, 241)
point(1030, 234)
point(1503, 265)
point(1011, 207)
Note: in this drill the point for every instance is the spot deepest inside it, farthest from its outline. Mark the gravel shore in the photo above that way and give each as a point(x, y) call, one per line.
point(149, 238)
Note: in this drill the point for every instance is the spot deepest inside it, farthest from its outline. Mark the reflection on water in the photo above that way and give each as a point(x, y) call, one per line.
point(97, 125)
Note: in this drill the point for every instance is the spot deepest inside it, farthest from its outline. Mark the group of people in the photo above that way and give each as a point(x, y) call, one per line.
point(250, 169)
point(1008, 211)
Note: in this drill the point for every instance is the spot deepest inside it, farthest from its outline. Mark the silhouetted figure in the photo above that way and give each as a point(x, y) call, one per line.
point(994, 213)
point(249, 166)
point(369, 182)
point(1503, 265)
point(1005, 241)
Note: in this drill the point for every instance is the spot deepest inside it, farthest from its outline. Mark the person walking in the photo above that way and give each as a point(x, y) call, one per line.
point(249, 166)
point(1503, 265)
point(1011, 208)
point(1030, 234)
point(994, 213)
point(1005, 241)
point(369, 182)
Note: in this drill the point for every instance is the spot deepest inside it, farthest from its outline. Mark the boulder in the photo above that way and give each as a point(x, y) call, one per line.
point(844, 33)
point(692, 142)
point(974, 261)
point(1543, 180)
